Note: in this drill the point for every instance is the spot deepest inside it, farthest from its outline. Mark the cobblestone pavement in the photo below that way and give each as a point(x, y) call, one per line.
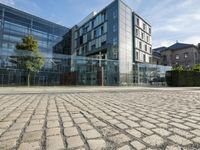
point(162, 119)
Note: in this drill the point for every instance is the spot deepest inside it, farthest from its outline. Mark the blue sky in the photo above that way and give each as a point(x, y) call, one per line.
point(171, 20)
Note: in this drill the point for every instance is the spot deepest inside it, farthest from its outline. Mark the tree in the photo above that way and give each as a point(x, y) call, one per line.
point(196, 68)
point(33, 59)
point(178, 68)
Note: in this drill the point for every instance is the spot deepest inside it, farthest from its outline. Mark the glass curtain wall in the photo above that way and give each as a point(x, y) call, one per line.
point(16, 24)
point(85, 71)
point(125, 44)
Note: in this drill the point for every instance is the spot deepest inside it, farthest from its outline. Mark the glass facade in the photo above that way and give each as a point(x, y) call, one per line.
point(16, 24)
point(84, 71)
point(98, 51)
point(125, 43)
point(149, 74)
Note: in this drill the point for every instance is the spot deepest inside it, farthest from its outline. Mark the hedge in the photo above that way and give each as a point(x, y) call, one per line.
point(183, 78)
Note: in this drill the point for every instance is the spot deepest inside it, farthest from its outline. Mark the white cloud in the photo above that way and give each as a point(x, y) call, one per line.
point(167, 28)
point(193, 40)
point(8, 2)
point(165, 43)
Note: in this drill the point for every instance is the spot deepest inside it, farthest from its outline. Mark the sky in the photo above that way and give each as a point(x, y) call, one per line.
point(171, 20)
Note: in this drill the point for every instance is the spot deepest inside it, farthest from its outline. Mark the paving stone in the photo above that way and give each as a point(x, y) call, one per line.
point(197, 140)
point(91, 134)
point(34, 128)
point(179, 140)
point(32, 136)
point(99, 124)
point(80, 120)
point(145, 131)
point(126, 147)
point(74, 141)
point(11, 135)
point(85, 126)
point(67, 124)
point(122, 126)
point(163, 120)
point(38, 121)
point(66, 118)
point(30, 146)
point(113, 121)
point(180, 126)
point(17, 126)
point(120, 138)
point(72, 131)
point(147, 125)
point(163, 125)
point(53, 124)
point(137, 145)
point(154, 140)
point(181, 132)
point(1, 131)
point(8, 144)
point(23, 120)
point(134, 133)
point(5, 124)
point(151, 120)
point(173, 148)
point(131, 123)
point(196, 132)
point(97, 144)
point(108, 131)
point(55, 142)
point(53, 131)
point(192, 125)
point(162, 132)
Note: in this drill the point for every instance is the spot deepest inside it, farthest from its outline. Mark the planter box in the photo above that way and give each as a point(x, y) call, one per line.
point(183, 78)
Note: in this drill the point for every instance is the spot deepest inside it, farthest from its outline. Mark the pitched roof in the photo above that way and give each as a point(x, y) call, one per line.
point(159, 49)
point(180, 46)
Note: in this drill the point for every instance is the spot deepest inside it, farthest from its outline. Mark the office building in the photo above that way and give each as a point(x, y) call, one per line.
point(115, 33)
point(109, 47)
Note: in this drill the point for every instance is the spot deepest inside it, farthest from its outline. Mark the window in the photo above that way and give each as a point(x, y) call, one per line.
point(76, 35)
point(177, 56)
point(103, 16)
point(115, 41)
point(150, 50)
point(114, 14)
point(196, 55)
point(114, 28)
point(102, 29)
point(105, 27)
point(93, 47)
point(144, 57)
point(97, 32)
point(185, 55)
point(138, 21)
point(137, 55)
point(147, 38)
point(142, 35)
point(103, 43)
point(92, 23)
point(145, 47)
point(140, 45)
point(149, 30)
point(144, 26)
point(137, 32)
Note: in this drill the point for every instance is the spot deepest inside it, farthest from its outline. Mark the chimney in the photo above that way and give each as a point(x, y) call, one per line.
point(176, 41)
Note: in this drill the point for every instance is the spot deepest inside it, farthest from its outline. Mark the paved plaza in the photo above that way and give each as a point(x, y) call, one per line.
point(100, 118)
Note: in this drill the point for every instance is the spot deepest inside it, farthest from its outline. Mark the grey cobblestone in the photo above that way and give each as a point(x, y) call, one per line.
point(140, 119)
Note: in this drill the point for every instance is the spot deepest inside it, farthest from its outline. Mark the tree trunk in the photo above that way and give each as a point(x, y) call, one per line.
point(28, 79)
